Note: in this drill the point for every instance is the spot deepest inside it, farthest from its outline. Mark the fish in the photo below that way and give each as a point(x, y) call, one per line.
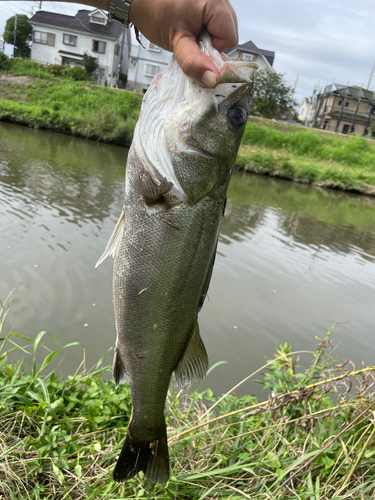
point(164, 243)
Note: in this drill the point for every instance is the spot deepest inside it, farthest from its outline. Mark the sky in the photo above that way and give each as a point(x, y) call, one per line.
point(316, 41)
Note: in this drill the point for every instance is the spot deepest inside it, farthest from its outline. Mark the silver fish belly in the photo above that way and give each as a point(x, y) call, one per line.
point(164, 244)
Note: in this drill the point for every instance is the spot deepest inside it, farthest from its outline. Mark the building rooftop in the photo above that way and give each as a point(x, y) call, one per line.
point(351, 91)
point(251, 47)
point(79, 22)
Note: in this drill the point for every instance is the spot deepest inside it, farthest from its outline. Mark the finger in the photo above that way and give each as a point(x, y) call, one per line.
point(235, 20)
point(221, 23)
point(192, 62)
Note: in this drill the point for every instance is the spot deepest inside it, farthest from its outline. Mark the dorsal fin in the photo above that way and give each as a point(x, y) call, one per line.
point(115, 239)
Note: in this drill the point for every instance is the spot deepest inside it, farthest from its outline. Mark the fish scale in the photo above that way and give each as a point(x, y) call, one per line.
point(165, 242)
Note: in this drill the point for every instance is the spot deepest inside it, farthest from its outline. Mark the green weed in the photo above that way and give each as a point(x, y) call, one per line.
point(83, 109)
point(354, 151)
point(59, 438)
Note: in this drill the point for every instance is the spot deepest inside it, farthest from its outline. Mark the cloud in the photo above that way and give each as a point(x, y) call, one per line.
point(319, 40)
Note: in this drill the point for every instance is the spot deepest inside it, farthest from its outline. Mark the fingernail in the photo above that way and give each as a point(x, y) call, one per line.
point(209, 79)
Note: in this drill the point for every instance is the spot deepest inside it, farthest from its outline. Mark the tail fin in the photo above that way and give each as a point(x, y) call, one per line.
point(151, 458)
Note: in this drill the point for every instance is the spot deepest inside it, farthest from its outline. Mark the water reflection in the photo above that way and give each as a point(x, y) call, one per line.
point(291, 261)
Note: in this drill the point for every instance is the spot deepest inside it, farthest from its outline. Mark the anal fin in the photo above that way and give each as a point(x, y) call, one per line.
point(115, 239)
point(193, 365)
point(149, 190)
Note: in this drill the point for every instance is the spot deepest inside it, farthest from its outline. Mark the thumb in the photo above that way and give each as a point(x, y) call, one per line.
point(193, 63)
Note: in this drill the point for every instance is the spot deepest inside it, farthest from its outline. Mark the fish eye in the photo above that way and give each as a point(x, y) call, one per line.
point(237, 116)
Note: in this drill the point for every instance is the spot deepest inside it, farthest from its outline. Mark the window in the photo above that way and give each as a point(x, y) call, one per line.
point(45, 38)
point(132, 63)
point(247, 57)
point(340, 103)
point(117, 50)
point(345, 129)
point(152, 46)
point(347, 104)
point(70, 40)
point(98, 19)
point(98, 46)
point(151, 70)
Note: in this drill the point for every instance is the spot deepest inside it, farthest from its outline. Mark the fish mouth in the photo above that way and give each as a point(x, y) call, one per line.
point(230, 70)
point(190, 148)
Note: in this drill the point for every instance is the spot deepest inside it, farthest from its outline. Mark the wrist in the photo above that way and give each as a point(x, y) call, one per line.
point(135, 11)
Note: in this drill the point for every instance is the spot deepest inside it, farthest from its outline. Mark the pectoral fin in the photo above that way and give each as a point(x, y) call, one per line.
point(115, 239)
point(149, 190)
point(119, 371)
point(194, 362)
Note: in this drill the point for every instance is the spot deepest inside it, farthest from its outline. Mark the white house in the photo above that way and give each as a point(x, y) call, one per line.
point(144, 63)
point(307, 110)
point(250, 52)
point(62, 39)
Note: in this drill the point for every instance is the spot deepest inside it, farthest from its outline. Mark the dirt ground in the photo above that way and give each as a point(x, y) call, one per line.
point(14, 87)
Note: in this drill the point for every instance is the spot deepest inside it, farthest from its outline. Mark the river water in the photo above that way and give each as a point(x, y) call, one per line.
point(292, 260)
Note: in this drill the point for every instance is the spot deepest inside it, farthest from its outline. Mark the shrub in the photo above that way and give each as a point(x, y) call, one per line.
point(54, 69)
point(75, 73)
point(90, 63)
point(4, 61)
point(123, 78)
point(28, 67)
point(21, 63)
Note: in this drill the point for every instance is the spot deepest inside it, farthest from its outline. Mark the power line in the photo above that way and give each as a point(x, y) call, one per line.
point(10, 8)
point(27, 12)
point(62, 9)
point(57, 7)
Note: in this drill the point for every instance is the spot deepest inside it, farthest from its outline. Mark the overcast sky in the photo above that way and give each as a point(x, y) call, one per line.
point(322, 41)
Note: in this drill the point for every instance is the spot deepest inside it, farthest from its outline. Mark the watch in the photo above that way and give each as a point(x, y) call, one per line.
point(119, 11)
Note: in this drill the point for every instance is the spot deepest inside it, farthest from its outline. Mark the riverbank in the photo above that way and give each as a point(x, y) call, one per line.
point(71, 107)
point(308, 156)
point(109, 115)
point(312, 438)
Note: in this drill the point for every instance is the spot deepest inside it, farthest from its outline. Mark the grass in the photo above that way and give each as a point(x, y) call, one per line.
point(65, 105)
point(81, 108)
point(311, 439)
point(309, 156)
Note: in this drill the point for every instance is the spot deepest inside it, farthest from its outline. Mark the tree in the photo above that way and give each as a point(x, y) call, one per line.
point(90, 63)
point(4, 61)
point(271, 94)
point(23, 34)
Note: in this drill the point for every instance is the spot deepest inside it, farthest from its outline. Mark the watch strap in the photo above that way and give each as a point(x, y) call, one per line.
point(119, 11)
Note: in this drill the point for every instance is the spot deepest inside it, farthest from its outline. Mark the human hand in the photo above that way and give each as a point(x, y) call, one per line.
point(175, 24)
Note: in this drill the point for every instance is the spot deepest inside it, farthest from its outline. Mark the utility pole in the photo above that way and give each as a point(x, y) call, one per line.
point(15, 33)
point(121, 57)
point(372, 72)
point(295, 85)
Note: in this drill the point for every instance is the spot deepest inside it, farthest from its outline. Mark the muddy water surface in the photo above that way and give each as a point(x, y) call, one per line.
point(292, 260)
